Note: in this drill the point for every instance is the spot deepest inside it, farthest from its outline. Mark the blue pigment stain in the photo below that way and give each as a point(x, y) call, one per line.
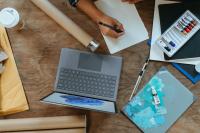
point(82, 100)
point(141, 109)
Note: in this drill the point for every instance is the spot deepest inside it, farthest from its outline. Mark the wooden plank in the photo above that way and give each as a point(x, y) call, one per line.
point(12, 96)
point(80, 130)
point(43, 123)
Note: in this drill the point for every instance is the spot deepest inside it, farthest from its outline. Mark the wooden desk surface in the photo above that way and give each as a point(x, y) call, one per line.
point(37, 48)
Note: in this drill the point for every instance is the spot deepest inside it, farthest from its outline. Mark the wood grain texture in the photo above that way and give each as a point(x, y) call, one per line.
point(12, 96)
point(43, 123)
point(37, 50)
point(80, 130)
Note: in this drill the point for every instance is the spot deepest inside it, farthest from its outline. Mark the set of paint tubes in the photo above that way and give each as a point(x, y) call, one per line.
point(179, 33)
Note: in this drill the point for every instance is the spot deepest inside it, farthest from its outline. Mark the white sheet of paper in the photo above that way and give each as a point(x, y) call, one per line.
point(156, 53)
point(135, 31)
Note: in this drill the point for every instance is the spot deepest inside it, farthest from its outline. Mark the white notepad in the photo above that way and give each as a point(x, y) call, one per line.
point(135, 31)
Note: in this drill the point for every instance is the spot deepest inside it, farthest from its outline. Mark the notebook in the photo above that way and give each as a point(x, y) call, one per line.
point(135, 31)
point(191, 48)
point(174, 97)
point(189, 71)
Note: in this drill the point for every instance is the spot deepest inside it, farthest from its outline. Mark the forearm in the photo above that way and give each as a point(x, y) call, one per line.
point(89, 8)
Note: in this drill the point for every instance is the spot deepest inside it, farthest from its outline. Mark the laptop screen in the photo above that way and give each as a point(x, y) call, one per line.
point(80, 102)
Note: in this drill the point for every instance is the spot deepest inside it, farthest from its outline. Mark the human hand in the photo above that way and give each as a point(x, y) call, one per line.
point(131, 1)
point(112, 22)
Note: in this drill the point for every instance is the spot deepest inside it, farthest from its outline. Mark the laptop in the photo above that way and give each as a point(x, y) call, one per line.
point(86, 80)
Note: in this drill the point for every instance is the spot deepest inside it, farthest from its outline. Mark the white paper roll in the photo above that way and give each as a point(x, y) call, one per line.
point(66, 23)
point(43, 123)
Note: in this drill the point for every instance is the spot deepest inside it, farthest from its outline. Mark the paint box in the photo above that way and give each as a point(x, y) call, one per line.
point(179, 33)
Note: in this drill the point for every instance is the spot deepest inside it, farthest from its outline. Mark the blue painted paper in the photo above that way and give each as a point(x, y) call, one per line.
point(142, 110)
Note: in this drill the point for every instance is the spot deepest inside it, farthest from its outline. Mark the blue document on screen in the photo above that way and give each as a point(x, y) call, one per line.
point(80, 102)
point(174, 100)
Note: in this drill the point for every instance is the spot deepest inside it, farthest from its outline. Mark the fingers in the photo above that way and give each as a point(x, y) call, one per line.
point(113, 33)
point(119, 25)
point(111, 27)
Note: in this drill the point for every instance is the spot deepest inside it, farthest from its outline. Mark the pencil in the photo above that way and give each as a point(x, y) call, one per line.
point(139, 79)
point(115, 28)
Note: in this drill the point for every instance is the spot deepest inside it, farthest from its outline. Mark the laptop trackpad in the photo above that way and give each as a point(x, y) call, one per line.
point(90, 62)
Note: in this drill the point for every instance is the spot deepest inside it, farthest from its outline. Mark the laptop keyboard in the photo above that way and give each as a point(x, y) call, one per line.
point(90, 83)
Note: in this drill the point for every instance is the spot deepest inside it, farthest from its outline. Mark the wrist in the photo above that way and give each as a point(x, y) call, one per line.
point(91, 10)
point(98, 16)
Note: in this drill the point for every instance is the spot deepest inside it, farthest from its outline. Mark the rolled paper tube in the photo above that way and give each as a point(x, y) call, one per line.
point(43, 123)
point(79, 130)
point(67, 23)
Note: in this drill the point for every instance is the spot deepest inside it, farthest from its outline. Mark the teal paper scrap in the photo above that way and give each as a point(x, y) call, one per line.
point(142, 109)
